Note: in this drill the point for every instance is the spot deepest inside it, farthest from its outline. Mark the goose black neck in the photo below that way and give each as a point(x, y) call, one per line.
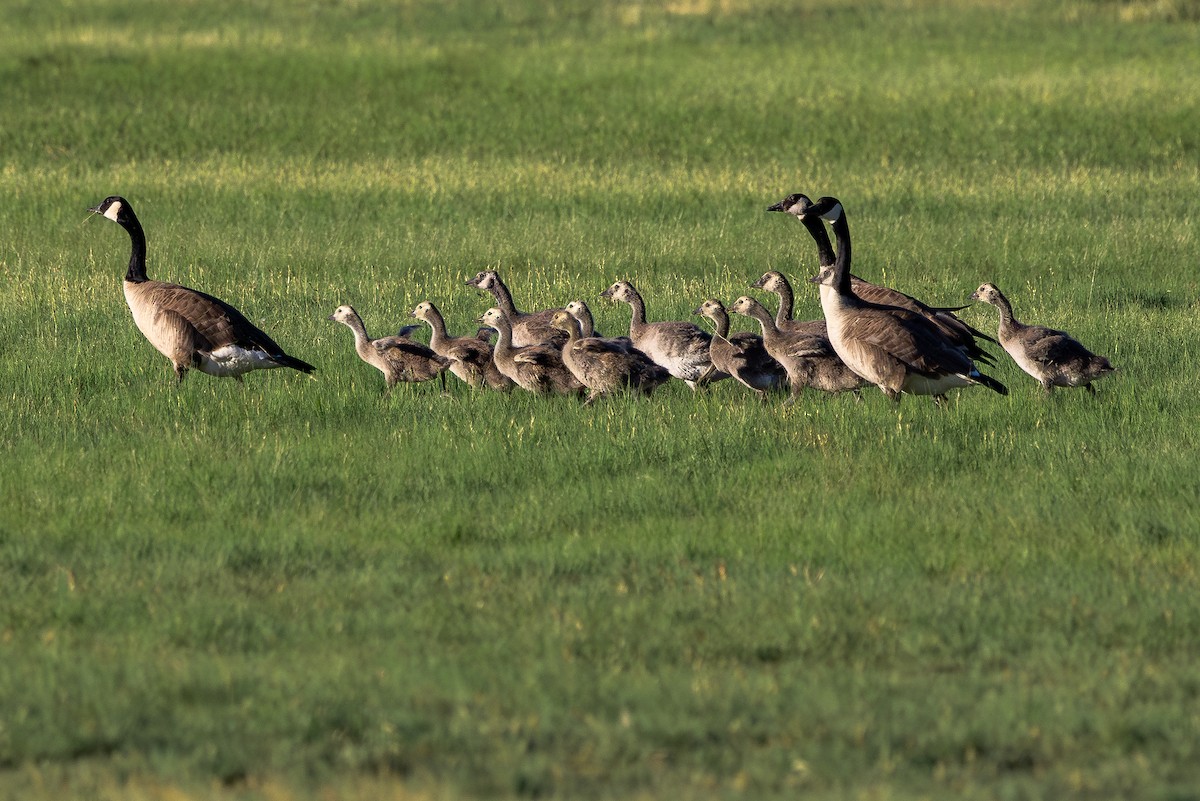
point(137, 257)
point(816, 228)
point(841, 266)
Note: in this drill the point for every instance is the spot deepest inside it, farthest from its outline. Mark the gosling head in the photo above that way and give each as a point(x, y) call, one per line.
point(745, 306)
point(494, 318)
point(565, 321)
point(485, 280)
point(711, 308)
point(424, 311)
point(988, 293)
point(620, 291)
point(343, 314)
point(771, 281)
point(824, 276)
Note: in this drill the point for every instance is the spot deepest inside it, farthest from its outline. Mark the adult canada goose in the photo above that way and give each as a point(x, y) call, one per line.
point(531, 328)
point(896, 349)
point(957, 331)
point(604, 367)
point(587, 325)
point(1054, 358)
point(398, 358)
point(741, 355)
point(536, 368)
point(681, 347)
point(808, 358)
point(470, 357)
point(189, 327)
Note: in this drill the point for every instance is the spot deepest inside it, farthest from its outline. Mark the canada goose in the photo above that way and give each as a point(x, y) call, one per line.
point(398, 358)
point(681, 347)
point(1054, 358)
point(527, 328)
point(896, 349)
point(189, 327)
point(604, 367)
point(536, 368)
point(957, 331)
point(808, 358)
point(741, 355)
point(774, 281)
point(587, 326)
point(470, 357)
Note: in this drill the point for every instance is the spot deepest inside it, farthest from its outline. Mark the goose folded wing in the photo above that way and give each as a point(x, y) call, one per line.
point(215, 321)
point(1055, 347)
point(598, 346)
point(810, 345)
point(909, 338)
point(539, 356)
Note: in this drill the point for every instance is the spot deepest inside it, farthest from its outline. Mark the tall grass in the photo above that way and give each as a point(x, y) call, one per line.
point(304, 587)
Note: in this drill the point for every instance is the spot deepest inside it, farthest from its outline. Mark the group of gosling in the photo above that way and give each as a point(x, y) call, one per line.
point(870, 334)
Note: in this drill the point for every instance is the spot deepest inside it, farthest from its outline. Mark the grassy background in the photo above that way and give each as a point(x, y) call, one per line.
point(305, 589)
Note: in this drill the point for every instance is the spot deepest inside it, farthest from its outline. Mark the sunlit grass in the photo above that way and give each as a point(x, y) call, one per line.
point(305, 588)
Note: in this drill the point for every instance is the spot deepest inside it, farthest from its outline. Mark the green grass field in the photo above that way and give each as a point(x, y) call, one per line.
point(305, 589)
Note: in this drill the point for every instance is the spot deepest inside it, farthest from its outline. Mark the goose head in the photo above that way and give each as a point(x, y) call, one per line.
point(824, 276)
point(565, 321)
point(578, 309)
point(484, 279)
point(827, 208)
point(620, 291)
point(771, 281)
point(795, 204)
point(711, 308)
point(343, 314)
point(988, 293)
point(115, 208)
point(423, 311)
point(494, 318)
point(746, 306)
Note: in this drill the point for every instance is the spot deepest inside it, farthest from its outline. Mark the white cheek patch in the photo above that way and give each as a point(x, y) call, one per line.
point(834, 213)
point(112, 211)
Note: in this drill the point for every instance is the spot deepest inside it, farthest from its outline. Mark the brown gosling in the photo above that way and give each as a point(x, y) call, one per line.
point(529, 328)
point(741, 355)
point(191, 328)
point(951, 327)
point(680, 347)
point(809, 359)
point(775, 282)
point(399, 358)
point(535, 368)
point(1054, 358)
point(604, 367)
point(895, 349)
point(470, 357)
point(587, 325)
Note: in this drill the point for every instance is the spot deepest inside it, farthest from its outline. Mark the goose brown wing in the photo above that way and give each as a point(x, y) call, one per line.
point(1055, 347)
point(217, 324)
point(908, 337)
point(178, 338)
point(598, 345)
point(954, 328)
